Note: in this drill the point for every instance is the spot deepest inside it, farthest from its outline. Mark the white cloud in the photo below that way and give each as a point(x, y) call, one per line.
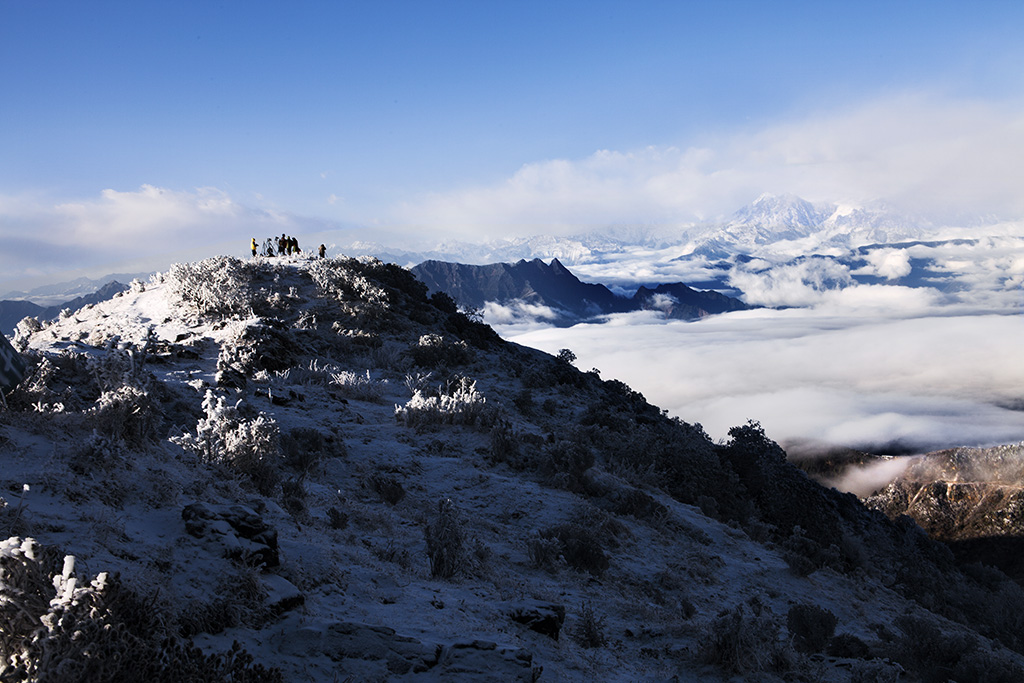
point(150, 224)
point(891, 264)
point(918, 151)
point(519, 316)
point(830, 375)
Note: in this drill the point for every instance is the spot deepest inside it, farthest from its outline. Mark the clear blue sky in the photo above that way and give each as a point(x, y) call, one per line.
point(424, 113)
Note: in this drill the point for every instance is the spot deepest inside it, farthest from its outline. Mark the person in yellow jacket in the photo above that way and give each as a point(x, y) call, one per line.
point(254, 247)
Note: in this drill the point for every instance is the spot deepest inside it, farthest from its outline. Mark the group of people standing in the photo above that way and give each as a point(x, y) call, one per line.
point(286, 246)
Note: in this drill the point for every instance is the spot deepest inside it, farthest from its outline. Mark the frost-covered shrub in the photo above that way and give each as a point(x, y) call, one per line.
point(544, 552)
point(217, 286)
point(457, 402)
point(387, 486)
point(934, 655)
point(589, 628)
point(118, 368)
point(743, 641)
point(247, 446)
point(337, 519)
point(504, 445)
point(267, 346)
point(24, 331)
point(417, 382)
point(305, 448)
point(446, 541)
point(360, 386)
point(126, 414)
point(580, 546)
point(434, 350)
point(805, 555)
point(811, 627)
point(99, 452)
point(342, 279)
point(565, 461)
point(315, 373)
point(56, 626)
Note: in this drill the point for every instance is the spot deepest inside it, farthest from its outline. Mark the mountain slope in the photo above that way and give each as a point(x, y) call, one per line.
point(354, 481)
point(12, 311)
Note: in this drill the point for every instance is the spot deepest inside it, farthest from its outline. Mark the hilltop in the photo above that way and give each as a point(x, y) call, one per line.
point(354, 481)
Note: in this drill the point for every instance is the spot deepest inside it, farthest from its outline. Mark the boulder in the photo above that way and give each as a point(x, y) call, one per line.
point(242, 533)
point(543, 617)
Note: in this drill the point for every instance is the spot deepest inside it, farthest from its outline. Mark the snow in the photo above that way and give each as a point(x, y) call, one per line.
point(123, 515)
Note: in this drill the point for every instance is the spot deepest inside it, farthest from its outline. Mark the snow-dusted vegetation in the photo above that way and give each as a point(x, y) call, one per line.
point(311, 470)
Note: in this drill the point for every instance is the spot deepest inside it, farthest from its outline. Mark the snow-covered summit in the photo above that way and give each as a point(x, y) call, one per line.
point(780, 212)
point(354, 481)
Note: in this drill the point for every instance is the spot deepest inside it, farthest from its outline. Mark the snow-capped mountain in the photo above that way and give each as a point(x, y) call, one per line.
point(350, 480)
point(785, 216)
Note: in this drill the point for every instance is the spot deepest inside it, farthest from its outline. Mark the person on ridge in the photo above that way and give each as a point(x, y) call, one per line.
point(254, 247)
point(323, 251)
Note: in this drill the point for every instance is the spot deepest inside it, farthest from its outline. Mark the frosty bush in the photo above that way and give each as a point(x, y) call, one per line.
point(742, 642)
point(589, 629)
point(811, 627)
point(247, 446)
point(359, 386)
point(126, 414)
point(545, 553)
point(434, 350)
point(387, 486)
point(579, 546)
point(457, 402)
point(305, 448)
point(24, 331)
point(341, 279)
point(57, 627)
point(216, 286)
point(504, 445)
point(117, 368)
point(445, 541)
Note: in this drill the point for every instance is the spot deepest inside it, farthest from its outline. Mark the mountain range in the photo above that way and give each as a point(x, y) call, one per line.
point(771, 219)
point(314, 470)
point(12, 311)
point(555, 287)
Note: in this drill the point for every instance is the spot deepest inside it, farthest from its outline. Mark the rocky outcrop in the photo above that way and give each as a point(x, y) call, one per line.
point(238, 529)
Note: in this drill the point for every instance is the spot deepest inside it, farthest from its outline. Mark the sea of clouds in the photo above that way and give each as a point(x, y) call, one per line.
point(882, 367)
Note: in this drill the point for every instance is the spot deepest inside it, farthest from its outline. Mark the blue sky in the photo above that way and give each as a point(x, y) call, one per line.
point(130, 121)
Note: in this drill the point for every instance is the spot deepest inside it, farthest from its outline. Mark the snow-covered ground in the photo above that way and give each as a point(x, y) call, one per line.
point(287, 399)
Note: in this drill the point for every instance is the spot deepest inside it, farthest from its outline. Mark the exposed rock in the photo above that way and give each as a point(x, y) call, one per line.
point(282, 594)
point(543, 617)
point(238, 528)
point(481, 661)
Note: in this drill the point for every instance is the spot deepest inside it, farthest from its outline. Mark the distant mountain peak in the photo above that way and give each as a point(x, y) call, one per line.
point(779, 211)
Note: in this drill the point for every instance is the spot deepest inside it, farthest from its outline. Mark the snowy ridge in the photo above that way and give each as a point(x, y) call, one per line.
point(356, 482)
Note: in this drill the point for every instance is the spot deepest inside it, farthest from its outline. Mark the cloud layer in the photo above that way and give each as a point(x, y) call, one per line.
point(921, 152)
point(812, 375)
point(150, 223)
